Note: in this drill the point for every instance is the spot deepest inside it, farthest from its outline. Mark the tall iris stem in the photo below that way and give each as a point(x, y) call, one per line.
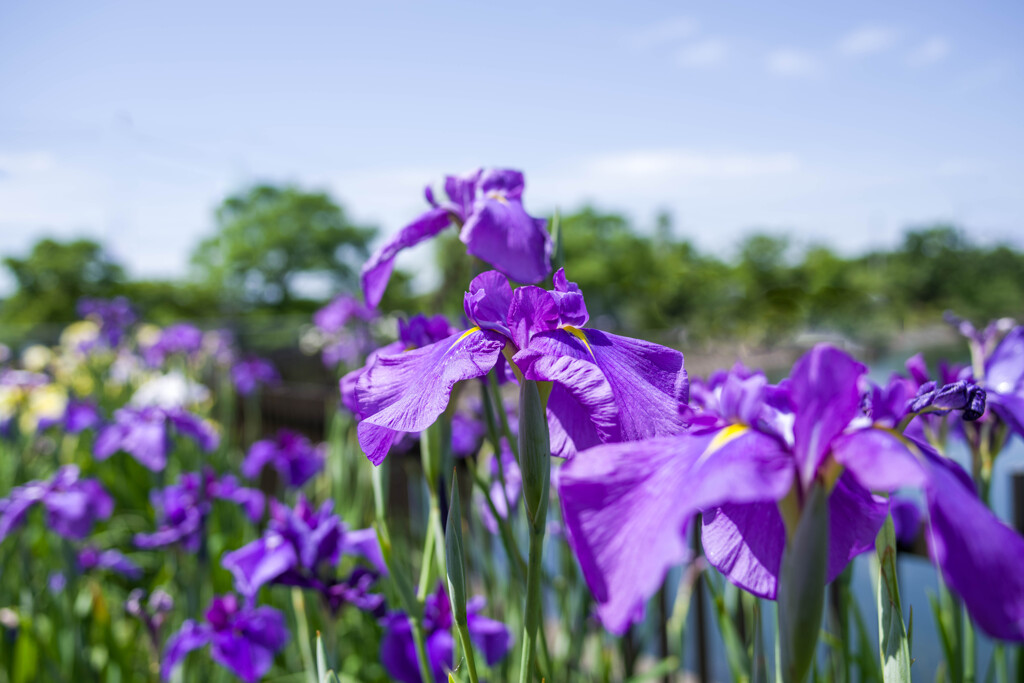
point(535, 463)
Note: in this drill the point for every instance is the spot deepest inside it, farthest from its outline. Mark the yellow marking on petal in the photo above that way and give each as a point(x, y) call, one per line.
point(578, 333)
point(463, 336)
point(733, 431)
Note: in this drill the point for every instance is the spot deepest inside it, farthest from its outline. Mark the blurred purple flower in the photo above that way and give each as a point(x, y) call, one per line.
point(72, 504)
point(182, 508)
point(153, 613)
point(906, 519)
point(243, 639)
point(504, 497)
point(114, 316)
point(290, 453)
point(605, 388)
point(301, 547)
point(144, 433)
point(398, 651)
point(333, 317)
point(113, 560)
point(494, 227)
point(248, 374)
point(181, 338)
point(81, 415)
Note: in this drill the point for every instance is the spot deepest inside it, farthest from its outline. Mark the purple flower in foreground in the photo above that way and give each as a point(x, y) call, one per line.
point(143, 433)
point(494, 227)
point(626, 506)
point(290, 453)
point(248, 374)
point(182, 508)
point(114, 316)
point(302, 547)
point(398, 651)
point(72, 504)
point(243, 639)
point(112, 560)
point(605, 388)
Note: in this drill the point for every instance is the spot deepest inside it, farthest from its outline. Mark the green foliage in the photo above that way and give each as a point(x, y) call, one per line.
point(52, 278)
point(268, 236)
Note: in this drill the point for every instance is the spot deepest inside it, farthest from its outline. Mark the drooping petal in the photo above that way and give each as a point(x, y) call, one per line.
point(824, 390)
point(571, 425)
point(626, 507)
point(1010, 408)
point(248, 647)
point(407, 392)
point(192, 636)
point(492, 637)
point(745, 543)
point(500, 232)
point(630, 389)
point(880, 459)
point(398, 650)
point(377, 270)
point(854, 519)
point(980, 557)
point(260, 562)
point(1004, 370)
point(363, 542)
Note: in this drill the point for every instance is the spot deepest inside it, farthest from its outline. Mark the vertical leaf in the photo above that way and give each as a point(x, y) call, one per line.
point(894, 644)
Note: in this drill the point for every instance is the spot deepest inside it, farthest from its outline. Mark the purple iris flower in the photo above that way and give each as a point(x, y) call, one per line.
point(302, 547)
point(1004, 380)
point(906, 519)
point(72, 504)
point(144, 434)
point(81, 415)
point(112, 560)
point(243, 638)
point(494, 227)
point(627, 506)
point(182, 508)
point(417, 331)
point(153, 613)
point(290, 453)
point(181, 338)
point(248, 374)
point(398, 650)
point(115, 316)
point(467, 430)
point(605, 388)
point(333, 317)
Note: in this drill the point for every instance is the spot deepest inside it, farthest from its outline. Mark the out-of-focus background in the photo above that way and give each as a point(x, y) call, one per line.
point(742, 174)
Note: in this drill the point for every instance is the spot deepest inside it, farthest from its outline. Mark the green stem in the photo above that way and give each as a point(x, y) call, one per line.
point(427, 563)
point(299, 608)
point(467, 647)
point(969, 659)
point(426, 674)
point(532, 620)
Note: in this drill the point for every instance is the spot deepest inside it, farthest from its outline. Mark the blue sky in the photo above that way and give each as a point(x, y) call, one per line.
point(129, 122)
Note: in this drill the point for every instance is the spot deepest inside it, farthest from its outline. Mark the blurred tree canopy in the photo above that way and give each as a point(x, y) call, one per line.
point(51, 279)
point(270, 237)
point(650, 283)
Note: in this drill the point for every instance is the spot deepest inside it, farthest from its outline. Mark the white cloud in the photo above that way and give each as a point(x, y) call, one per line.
point(792, 63)
point(705, 53)
point(662, 33)
point(867, 41)
point(933, 50)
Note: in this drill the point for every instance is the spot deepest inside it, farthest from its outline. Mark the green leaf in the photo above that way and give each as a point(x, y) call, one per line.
point(801, 595)
point(893, 643)
point(454, 557)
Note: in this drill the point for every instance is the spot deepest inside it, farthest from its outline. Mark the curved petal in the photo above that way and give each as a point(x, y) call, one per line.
point(824, 389)
point(487, 301)
point(626, 507)
point(630, 389)
point(1004, 371)
point(570, 424)
point(980, 557)
point(492, 637)
point(377, 270)
point(364, 542)
point(745, 543)
point(854, 519)
point(407, 392)
point(1009, 407)
point(398, 650)
point(259, 562)
point(500, 232)
point(192, 636)
point(880, 459)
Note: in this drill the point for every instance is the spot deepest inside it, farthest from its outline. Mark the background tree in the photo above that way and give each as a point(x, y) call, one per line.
point(270, 240)
point(51, 279)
